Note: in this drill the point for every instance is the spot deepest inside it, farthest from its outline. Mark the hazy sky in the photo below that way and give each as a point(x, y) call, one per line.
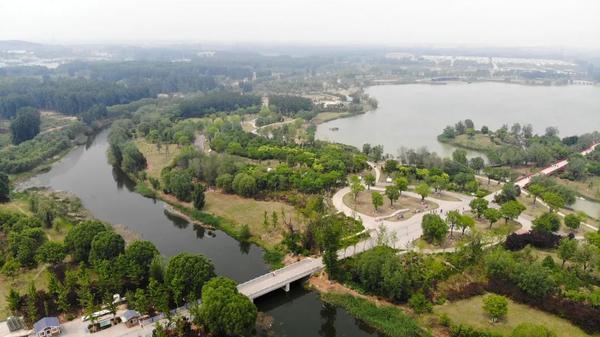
point(554, 23)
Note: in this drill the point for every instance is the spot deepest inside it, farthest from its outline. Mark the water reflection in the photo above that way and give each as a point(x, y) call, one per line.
point(109, 195)
point(328, 315)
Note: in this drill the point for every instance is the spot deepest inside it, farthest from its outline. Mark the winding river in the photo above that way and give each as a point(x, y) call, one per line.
point(110, 196)
point(409, 115)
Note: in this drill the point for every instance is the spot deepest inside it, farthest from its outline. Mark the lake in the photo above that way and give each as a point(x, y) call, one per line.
point(412, 115)
point(110, 196)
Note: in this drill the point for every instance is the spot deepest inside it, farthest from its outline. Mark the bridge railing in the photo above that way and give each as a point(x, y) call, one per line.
point(283, 282)
point(276, 272)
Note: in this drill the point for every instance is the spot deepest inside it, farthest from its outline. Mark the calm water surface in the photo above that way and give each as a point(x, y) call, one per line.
point(413, 115)
point(110, 196)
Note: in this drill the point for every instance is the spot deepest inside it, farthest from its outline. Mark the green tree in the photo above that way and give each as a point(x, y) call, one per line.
point(224, 182)
point(465, 222)
point(585, 255)
point(62, 300)
point(51, 252)
point(331, 234)
point(370, 180)
point(132, 159)
point(377, 200)
point(401, 183)
point(434, 228)
point(140, 301)
point(536, 280)
point(198, 197)
point(13, 301)
point(453, 218)
point(536, 191)
point(224, 311)
point(392, 193)
point(356, 186)
point(31, 309)
point(567, 249)
point(496, 306)
point(179, 183)
point(186, 274)
point(479, 206)
point(547, 222)
point(106, 245)
point(492, 215)
point(423, 190)
point(553, 200)
point(78, 240)
point(531, 330)
point(4, 188)
point(511, 210)
point(25, 125)
point(439, 182)
point(572, 221)
point(477, 164)
point(137, 259)
point(460, 156)
point(11, 267)
point(244, 184)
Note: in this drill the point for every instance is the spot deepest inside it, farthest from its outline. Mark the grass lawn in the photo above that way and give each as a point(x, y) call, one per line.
point(157, 160)
point(251, 212)
point(21, 283)
point(470, 312)
point(501, 227)
point(328, 116)
point(538, 209)
point(479, 142)
point(364, 204)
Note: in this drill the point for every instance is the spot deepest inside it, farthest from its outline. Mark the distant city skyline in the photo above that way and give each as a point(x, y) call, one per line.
point(503, 23)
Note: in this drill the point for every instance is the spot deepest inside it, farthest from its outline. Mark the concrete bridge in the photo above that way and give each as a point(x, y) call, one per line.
point(280, 278)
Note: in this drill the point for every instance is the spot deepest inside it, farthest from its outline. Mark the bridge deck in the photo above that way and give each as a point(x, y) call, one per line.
point(280, 278)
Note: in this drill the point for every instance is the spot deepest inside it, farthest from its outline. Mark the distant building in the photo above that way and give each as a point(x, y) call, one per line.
point(47, 326)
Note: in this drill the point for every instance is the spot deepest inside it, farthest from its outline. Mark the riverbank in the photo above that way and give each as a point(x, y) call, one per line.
point(387, 318)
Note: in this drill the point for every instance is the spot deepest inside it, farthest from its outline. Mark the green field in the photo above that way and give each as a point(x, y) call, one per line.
point(479, 142)
point(470, 312)
point(157, 159)
point(251, 212)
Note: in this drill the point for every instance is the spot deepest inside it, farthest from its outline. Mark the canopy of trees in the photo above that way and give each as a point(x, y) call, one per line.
point(25, 125)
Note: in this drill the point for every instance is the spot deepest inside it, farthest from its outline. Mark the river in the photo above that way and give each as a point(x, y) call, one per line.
point(413, 115)
point(110, 196)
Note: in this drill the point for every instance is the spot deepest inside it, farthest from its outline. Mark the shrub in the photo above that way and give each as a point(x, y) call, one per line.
point(419, 303)
point(535, 238)
point(496, 306)
point(466, 331)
